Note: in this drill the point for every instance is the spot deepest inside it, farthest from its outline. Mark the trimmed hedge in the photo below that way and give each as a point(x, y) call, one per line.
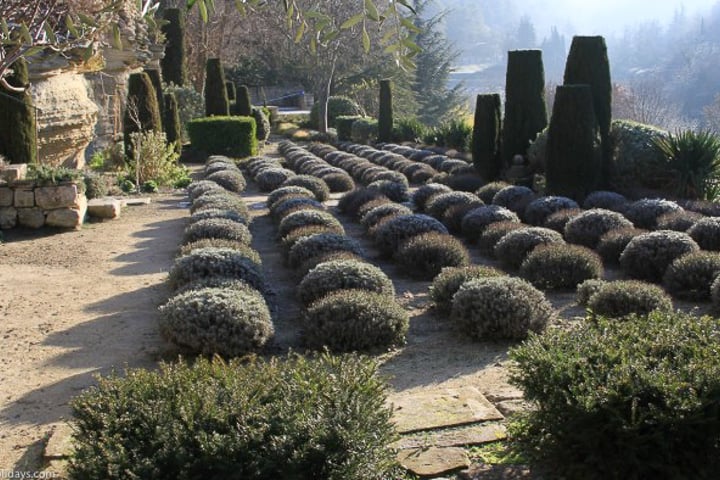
point(313, 246)
point(690, 276)
point(512, 249)
point(224, 228)
point(425, 255)
point(233, 136)
point(390, 234)
point(328, 277)
point(622, 298)
point(215, 262)
point(561, 266)
point(648, 255)
point(588, 227)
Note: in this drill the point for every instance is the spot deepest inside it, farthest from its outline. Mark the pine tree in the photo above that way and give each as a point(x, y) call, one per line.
point(216, 98)
point(18, 135)
point(385, 113)
point(588, 63)
point(173, 63)
point(171, 121)
point(525, 109)
point(486, 137)
point(574, 162)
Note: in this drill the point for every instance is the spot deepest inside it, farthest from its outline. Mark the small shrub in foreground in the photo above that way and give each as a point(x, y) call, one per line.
point(621, 298)
point(425, 255)
point(514, 197)
point(643, 388)
point(605, 199)
point(561, 266)
point(690, 276)
point(438, 204)
point(448, 282)
point(296, 234)
point(336, 275)
point(195, 189)
point(216, 419)
point(285, 206)
point(648, 255)
point(587, 289)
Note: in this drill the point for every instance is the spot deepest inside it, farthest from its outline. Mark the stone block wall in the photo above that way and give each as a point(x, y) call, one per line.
point(27, 204)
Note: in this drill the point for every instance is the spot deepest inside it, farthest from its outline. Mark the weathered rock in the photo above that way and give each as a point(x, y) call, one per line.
point(104, 207)
point(8, 217)
point(56, 196)
point(24, 197)
point(64, 218)
point(14, 172)
point(6, 197)
point(59, 444)
point(470, 435)
point(32, 217)
point(441, 407)
point(433, 461)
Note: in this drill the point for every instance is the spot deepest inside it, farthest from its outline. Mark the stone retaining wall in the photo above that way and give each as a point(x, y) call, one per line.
point(26, 204)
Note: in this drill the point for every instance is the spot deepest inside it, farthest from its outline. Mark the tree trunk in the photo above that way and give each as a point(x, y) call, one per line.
point(323, 100)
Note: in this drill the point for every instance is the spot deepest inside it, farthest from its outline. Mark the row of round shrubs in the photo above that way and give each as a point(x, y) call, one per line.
point(303, 162)
point(270, 175)
point(348, 304)
point(439, 162)
point(218, 306)
point(415, 172)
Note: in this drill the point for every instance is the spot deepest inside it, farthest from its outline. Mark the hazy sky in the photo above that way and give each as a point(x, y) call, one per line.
point(605, 16)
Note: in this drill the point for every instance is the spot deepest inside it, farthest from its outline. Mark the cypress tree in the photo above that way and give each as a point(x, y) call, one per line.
point(588, 63)
point(232, 95)
point(171, 121)
point(173, 63)
point(216, 97)
point(141, 97)
point(525, 109)
point(574, 161)
point(154, 75)
point(486, 137)
point(18, 135)
point(243, 104)
point(385, 116)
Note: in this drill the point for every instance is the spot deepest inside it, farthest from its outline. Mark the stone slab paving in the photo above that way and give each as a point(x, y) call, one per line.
point(433, 461)
point(458, 437)
point(441, 408)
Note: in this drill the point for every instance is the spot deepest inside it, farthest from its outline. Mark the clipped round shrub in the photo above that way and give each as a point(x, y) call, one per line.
point(500, 307)
point(689, 277)
point(611, 245)
point(337, 106)
point(587, 228)
point(449, 280)
point(561, 266)
point(327, 257)
point(296, 234)
point(623, 298)
point(541, 208)
point(425, 255)
point(242, 248)
point(355, 320)
point(351, 202)
point(706, 232)
point(487, 192)
point(424, 193)
point(214, 282)
point(493, 233)
point(279, 193)
point(234, 215)
point(679, 221)
point(587, 289)
point(197, 188)
point(225, 321)
point(512, 249)
point(648, 255)
point(306, 218)
point(366, 207)
point(438, 204)
point(220, 166)
point(221, 201)
point(314, 184)
point(390, 234)
point(605, 199)
point(475, 221)
point(256, 164)
point(215, 262)
point(468, 181)
point(231, 180)
point(328, 277)
point(389, 175)
point(644, 213)
point(453, 216)
point(419, 173)
point(217, 228)
point(272, 178)
point(286, 206)
point(338, 182)
point(557, 221)
point(381, 212)
point(307, 248)
point(396, 192)
point(514, 197)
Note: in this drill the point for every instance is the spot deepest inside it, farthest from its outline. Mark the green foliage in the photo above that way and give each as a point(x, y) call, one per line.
point(446, 284)
point(706, 232)
point(243, 104)
point(142, 113)
point(316, 185)
point(232, 136)
point(173, 62)
point(589, 226)
point(648, 255)
point(95, 185)
point(561, 266)
point(262, 123)
point(355, 320)
point(191, 104)
point(313, 246)
point(690, 166)
point(454, 133)
point(364, 130)
point(216, 99)
point(493, 233)
point(337, 106)
point(512, 248)
point(48, 175)
point(215, 262)
point(622, 298)
point(154, 75)
point(525, 108)
point(149, 186)
point(406, 129)
point(317, 417)
point(487, 137)
point(391, 234)
point(344, 126)
point(630, 399)
point(385, 112)
point(156, 160)
point(171, 121)
point(328, 277)
point(18, 135)
point(611, 245)
point(690, 276)
point(423, 256)
point(225, 321)
point(587, 289)
point(633, 153)
point(500, 307)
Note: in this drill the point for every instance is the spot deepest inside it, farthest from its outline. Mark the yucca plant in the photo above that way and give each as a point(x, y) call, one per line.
point(691, 164)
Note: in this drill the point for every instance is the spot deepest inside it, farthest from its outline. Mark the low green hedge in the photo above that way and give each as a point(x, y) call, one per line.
point(232, 136)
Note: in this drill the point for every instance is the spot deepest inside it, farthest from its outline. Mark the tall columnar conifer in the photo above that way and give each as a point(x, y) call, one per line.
point(231, 91)
point(173, 63)
point(574, 160)
point(171, 121)
point(216, 97)
point(243, 104)
point(385, 117)
point(486, 137)
point(525, 109)
point(142, 106)
point(156, 80)
point(588, 63)
point(18, 135)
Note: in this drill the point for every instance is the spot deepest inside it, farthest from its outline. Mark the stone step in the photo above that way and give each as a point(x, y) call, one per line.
point(106, 207)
